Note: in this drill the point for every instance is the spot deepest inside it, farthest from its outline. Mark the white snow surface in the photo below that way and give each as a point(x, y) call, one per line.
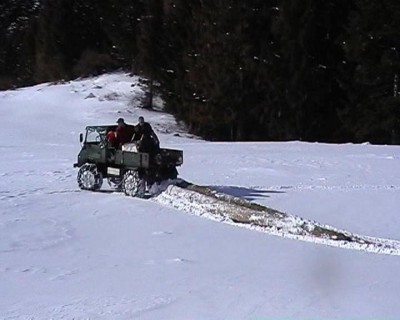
point(71, 254)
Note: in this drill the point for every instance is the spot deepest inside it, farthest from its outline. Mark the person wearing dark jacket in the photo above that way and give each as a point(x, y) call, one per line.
point(146, 137)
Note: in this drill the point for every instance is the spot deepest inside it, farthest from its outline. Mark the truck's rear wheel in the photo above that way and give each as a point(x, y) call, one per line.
point(89, 178)
point(132, 184)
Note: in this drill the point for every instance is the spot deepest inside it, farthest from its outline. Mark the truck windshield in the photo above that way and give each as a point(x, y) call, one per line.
point(95, 135)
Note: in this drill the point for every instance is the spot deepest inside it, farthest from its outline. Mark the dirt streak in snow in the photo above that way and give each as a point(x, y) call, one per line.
point(208, 203)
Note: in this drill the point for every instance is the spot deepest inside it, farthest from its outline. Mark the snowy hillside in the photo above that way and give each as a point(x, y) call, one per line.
point(69, 254)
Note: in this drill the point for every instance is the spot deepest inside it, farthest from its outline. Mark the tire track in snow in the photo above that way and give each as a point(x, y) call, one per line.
point(332, 187)
point(32, 234)
point(34, 192)
point(102, 308)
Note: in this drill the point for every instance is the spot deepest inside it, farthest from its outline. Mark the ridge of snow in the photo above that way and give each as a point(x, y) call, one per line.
point(289, 226)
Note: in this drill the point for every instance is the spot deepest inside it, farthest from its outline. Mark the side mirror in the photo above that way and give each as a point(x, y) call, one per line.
point(81, 137)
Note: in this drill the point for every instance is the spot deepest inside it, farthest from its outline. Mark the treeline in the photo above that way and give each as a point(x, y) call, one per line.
point(313, 70)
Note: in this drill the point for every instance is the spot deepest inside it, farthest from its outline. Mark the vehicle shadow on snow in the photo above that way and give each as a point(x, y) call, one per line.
point(246, 193)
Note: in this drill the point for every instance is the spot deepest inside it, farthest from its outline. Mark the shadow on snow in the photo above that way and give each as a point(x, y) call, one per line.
point(242, 192)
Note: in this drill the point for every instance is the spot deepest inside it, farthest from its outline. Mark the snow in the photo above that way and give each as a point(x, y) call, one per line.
point(69, 254)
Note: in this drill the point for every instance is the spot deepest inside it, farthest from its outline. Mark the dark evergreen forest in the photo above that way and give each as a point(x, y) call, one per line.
point(312, 70)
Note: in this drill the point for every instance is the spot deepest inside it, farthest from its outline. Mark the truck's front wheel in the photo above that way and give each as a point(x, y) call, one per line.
point(89, 178)
point(132, 184)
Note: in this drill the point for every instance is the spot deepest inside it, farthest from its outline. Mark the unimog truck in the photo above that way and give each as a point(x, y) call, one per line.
point(125, 169)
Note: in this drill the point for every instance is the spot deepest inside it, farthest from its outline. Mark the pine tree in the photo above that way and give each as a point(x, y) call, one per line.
point(150, 58)
point(372, 47)
point(17, 25)
point(225, 64)
point(311, 61)
point(120, 20)
point(70, 41)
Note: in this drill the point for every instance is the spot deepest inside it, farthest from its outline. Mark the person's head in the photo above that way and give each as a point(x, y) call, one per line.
point(120, 122)
point(141, 120)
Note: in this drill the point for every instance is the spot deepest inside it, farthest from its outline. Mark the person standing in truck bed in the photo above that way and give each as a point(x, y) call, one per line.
point(146, 137)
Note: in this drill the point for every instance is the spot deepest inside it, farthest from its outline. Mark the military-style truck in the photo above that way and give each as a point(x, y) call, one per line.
point(125, 169)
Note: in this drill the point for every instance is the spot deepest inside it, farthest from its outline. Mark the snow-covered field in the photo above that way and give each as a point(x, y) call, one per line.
point(69, 254)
